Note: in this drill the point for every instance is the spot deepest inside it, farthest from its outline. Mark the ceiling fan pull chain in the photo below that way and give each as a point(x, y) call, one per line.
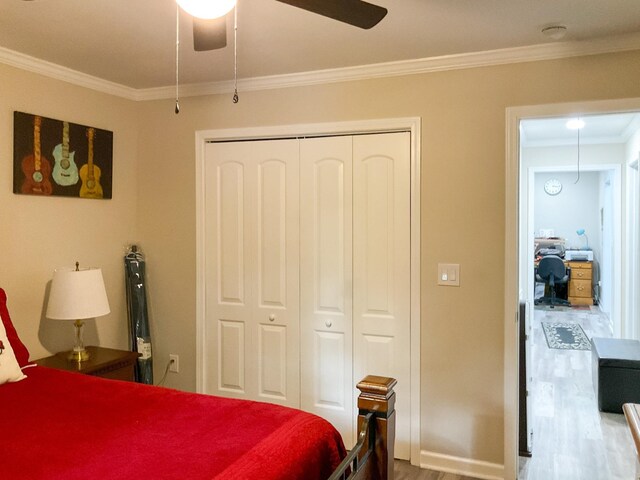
point(177, 109)
point(235, 55)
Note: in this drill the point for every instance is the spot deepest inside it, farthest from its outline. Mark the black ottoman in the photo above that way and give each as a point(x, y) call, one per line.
point(616, 372)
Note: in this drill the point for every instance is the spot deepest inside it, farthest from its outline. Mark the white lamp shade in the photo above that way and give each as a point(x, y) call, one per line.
point(77, 294)
point(207, 9)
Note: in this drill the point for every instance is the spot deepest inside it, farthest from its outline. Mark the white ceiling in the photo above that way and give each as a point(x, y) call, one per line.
point(132, 42)
point(598, 129)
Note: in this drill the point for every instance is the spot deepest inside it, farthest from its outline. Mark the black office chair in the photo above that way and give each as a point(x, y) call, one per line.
point(552, 271)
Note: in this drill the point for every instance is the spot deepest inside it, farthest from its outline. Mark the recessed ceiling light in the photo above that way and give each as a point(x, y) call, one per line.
point(575, 124)
point(555, 32)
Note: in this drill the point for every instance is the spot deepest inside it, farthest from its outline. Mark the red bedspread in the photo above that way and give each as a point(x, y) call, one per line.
point(60, 425)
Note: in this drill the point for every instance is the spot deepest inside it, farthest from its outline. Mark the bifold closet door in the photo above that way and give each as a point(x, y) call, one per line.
point(325, 282)
point(381, 268)
point(252, 296)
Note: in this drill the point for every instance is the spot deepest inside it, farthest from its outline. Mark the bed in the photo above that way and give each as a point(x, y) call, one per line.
point(61, 425)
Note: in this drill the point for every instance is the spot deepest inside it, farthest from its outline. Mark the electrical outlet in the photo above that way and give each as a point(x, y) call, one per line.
point(175, 363)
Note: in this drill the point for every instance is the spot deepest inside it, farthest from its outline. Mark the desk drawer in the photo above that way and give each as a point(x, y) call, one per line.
point(580, 274)
point(579, 288)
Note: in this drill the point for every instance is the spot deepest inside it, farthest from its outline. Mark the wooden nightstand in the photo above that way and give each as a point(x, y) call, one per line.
point(103, 362)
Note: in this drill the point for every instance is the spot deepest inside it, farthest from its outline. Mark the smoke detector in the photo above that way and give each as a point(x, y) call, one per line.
point(555, 32)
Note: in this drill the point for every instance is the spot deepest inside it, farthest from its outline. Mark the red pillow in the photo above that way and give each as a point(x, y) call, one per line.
point(20, 351)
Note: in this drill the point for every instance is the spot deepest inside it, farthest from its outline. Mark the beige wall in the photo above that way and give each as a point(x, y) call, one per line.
point(463, 158)
point(40, 234)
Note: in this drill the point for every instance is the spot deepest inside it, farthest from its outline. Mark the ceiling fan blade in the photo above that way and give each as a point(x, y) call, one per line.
point(354, 12)
point(209, 34)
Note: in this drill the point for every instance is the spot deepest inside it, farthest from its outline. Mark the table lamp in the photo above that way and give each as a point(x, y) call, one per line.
point(77, 295)
point(581, 232)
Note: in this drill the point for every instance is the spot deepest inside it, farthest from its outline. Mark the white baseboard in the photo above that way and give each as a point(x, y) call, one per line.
point(461, 466)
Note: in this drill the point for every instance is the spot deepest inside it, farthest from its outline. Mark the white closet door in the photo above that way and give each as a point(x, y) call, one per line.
point(252, 296)
point(381, 266)
point(326, 282)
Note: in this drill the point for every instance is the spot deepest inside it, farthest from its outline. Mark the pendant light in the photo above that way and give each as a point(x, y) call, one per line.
point(206, 9)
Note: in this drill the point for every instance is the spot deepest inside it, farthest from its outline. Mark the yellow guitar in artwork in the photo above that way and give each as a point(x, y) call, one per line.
point(90, 173)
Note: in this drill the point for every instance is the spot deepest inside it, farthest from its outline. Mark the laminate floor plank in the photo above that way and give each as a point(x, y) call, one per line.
point(405, 471)
point(572, 440)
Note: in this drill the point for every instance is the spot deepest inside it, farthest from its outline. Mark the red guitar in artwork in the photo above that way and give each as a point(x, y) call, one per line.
point(36, 168)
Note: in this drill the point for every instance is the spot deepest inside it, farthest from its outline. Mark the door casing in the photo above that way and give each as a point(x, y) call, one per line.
point(511, 275)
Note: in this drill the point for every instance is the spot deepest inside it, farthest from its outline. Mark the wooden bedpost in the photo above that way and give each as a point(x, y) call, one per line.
point(377, 396)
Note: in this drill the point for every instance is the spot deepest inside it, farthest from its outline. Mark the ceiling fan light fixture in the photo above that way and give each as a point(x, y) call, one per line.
point(207, 9)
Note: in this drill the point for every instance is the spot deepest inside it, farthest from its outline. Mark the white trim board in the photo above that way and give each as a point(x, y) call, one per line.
point(530, 53)
point(412, 125)
point(461, 466)
point(511, 275)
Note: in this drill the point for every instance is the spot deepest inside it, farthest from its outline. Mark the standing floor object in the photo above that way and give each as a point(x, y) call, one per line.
point(140, 335)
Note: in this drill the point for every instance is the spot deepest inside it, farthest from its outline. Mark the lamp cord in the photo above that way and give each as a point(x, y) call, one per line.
point(166, 371)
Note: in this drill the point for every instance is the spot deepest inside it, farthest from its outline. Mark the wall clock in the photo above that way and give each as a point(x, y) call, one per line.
point(553, 186)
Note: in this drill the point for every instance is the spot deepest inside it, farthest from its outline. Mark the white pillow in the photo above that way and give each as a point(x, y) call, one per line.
point(9, 368)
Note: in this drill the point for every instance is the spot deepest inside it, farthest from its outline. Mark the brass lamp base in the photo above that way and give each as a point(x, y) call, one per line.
point(78, 356)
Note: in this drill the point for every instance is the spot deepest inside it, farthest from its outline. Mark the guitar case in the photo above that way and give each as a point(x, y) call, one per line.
point(140, 335)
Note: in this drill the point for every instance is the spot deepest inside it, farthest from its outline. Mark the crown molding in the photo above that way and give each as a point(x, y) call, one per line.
point(532, 53)
point(58, 72)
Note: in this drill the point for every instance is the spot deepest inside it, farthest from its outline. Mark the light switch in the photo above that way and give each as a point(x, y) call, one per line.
point(449, 274)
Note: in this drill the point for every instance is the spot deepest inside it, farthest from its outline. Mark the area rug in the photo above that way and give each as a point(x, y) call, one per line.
point(566, 336)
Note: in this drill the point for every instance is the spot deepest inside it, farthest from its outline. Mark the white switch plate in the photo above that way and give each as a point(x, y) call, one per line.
point(449, 274)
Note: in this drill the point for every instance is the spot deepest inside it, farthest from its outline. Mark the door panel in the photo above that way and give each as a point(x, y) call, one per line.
point(276, 272)
point(273, 378)
point(325, 289)
point(272, 233)
point(381, 266)
point(251, 227)
point(307, 272)
point(231, 354)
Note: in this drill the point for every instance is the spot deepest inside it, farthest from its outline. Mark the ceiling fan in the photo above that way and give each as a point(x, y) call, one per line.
point(210, 31)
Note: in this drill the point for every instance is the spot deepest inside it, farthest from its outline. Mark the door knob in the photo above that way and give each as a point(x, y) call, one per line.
point(272, 317)
point(328, 323)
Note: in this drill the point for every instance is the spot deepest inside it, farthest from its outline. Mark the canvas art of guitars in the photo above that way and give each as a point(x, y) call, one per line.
point(60, 158)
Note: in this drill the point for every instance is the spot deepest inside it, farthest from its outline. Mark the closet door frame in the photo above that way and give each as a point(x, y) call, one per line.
point(411, 125)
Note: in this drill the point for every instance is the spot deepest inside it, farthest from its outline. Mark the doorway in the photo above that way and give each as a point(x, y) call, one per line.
point(517, 276)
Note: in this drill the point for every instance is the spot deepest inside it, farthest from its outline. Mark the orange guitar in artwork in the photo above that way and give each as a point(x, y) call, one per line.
point(36, 168)
point(90, 173)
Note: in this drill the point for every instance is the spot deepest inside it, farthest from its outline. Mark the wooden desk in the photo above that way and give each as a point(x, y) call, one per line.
point(103, 362)
point(580, 283)
point(580, 286)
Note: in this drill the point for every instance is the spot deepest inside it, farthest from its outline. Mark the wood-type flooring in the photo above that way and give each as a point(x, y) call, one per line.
point(405, 471)
point(572, 440)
